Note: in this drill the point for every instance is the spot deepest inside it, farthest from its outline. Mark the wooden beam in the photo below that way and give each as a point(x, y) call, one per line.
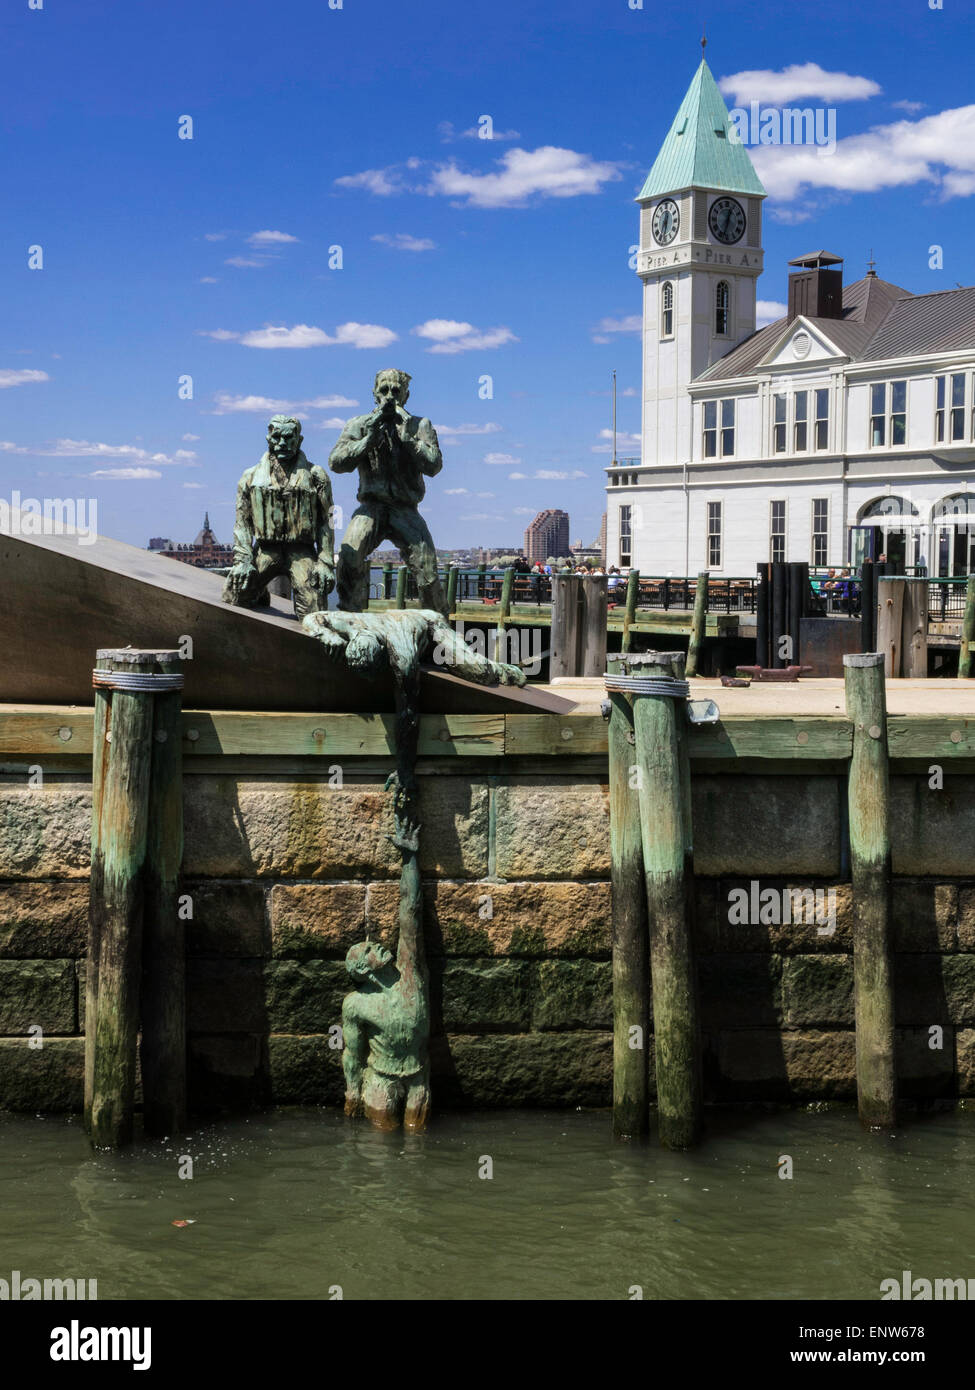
point(870, 861)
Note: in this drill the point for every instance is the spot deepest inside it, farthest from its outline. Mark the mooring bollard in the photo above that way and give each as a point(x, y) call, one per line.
point(869, 816)
point(914, 628)
point(401, 586)
point(663, 777)
point(698, 623)
point(130, 826)
point(631, 964)
point(967, 631)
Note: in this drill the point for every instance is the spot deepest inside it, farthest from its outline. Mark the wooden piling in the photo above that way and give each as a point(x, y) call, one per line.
point(967, 631)
point(890, 617)
point(868, 606)
point(763, 611)
point(120, 819)
point(401, 586)
point(629, 616)
point(698, 623)
point(914, 628)
point(163, 1050)
point(592, 642)
point(566, 622)
point(631, 965)
point(666, 841)
point(870, 859)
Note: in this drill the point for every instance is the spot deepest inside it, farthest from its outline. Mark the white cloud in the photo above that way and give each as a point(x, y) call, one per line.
point(489, 428)
point(402, 241)
point(501, 460)
point(623, 441)
point(303, 335)
point(911, 107)
point(632, 323)
point(195, 485)
point(15, 377)
point(455, 492)
point(447, 133)
point(246, 262)
point(215, 236)
point(209, 280)
point(127, 473)
point(485, 494)
point(793, 83)
point(768, 310)
point(547, 475)
point(524, 511)
point(226, 404)
point(937, 149)
point(383, 182)
point(334, 422)
point(189, 438)
point(270, 238)
point(449, 336)
point(546, 172)
point(83, 448)
point(481, 516)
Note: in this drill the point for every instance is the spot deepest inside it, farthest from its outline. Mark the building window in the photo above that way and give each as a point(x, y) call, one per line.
point(777, 531)
point(888, 413)
point(715, 412)
point(958, 406)
point(820, 530)
point(822, 418)
point(939, 413)
point(714, 535)
point(626, 544)
point(779, 424)
point(898, 412)
point(722, 309)
point(801, 422)
point(667, 311)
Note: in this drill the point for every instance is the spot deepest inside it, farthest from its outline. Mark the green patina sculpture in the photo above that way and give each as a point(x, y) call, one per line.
point(283, 525)
point(386, 1020)
point(393, 452)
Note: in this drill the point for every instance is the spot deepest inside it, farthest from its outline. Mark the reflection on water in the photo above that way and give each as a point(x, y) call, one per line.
point(291, 1204)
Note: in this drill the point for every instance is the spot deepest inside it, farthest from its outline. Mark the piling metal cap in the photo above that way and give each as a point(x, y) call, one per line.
point(862, 659)
point(648, 685)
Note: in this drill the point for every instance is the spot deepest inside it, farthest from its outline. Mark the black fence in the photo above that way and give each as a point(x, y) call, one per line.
point(832, 591)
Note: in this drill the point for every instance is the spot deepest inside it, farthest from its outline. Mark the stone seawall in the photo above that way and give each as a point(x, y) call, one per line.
point(285, 870)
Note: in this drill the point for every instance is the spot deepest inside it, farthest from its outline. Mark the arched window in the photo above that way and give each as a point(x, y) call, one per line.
point(667, 311)
point(722, 309)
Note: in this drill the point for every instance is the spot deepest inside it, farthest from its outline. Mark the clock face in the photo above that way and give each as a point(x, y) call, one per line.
point(666, 220)
point(727, 220)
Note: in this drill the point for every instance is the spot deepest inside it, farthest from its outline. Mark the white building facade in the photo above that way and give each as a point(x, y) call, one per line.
point(844, 430)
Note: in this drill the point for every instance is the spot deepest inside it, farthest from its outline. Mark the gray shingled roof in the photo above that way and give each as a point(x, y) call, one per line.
point(867, 306)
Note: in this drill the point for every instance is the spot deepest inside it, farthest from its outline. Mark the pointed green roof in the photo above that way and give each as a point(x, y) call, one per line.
point(698, 151)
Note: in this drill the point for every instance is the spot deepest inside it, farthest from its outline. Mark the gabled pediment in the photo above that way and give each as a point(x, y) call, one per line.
point(798, 345)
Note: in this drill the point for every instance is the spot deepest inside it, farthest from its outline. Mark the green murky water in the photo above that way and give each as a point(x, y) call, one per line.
point(291, 1204)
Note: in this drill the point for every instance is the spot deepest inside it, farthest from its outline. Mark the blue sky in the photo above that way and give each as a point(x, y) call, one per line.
point(316, 128)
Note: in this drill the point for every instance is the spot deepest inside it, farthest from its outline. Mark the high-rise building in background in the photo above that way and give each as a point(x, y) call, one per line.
point(547, 535)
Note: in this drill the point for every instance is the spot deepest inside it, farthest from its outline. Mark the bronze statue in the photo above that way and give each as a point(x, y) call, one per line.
point(393, 452)
point(386, 1020)
point(283, 525)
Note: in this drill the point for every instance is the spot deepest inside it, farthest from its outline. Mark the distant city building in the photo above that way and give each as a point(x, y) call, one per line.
point(205, 551)
point(601, 541)
point(547, 535)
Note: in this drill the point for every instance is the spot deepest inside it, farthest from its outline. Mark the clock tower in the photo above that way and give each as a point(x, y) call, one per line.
point(700, 255)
